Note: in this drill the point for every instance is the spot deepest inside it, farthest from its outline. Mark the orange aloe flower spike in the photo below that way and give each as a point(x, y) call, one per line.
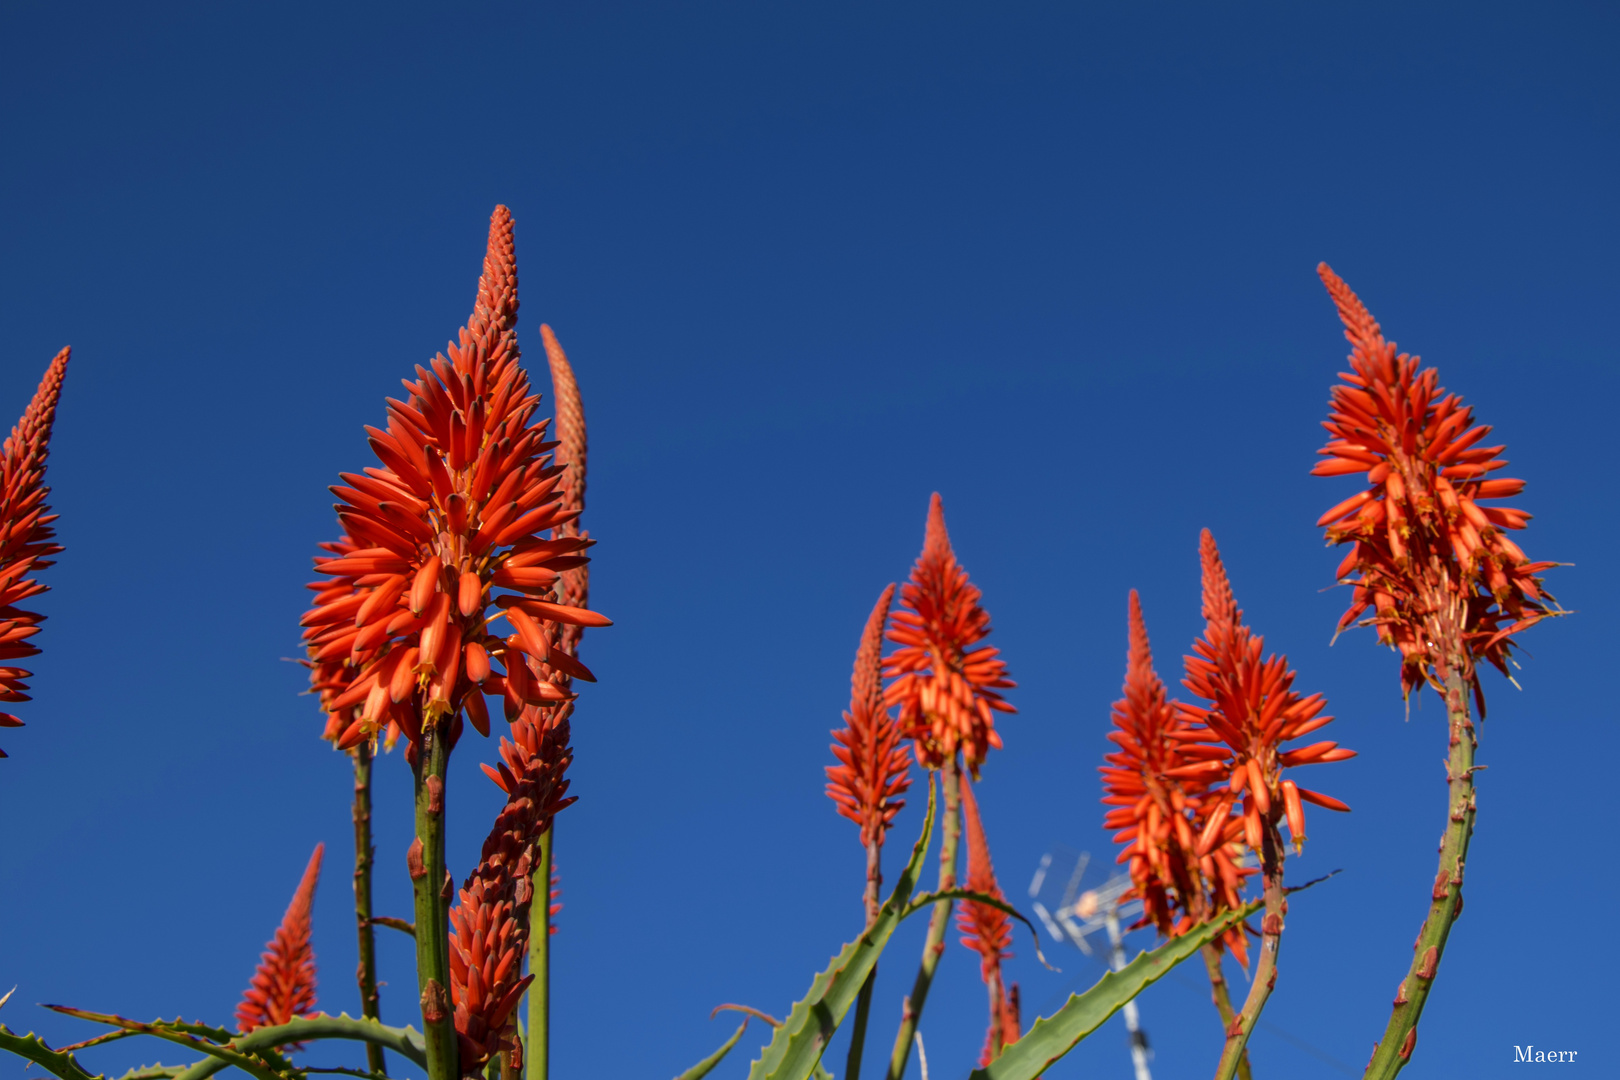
point(986, 930)
point(946, 688)
point(454, 513)
point(284, 984)
point(872, 759)
point(27, 539)
point(1432, 566)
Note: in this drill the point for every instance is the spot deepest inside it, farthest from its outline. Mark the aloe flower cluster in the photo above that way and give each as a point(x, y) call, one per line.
point(459, 574)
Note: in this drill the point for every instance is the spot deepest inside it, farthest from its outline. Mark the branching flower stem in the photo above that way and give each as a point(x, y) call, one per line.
point(365, 855)
point(950, 777)
point(1445, 901)
point(1265, 967)
point(431, 886)
point(537, 1037)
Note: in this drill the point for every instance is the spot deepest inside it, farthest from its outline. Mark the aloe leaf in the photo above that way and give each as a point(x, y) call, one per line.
point(154, 1072)
point(795, 1048)
point(33, 1048)
point(182, 1034)
point(405, 1041)
point(1052, 1037)
point(704, 1067)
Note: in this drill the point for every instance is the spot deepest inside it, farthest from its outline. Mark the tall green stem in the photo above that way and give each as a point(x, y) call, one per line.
point(1223, 1000)
point(1265, 968)
point(537, 1039)
point(365, 855)
point(873, 900)
point(934, 944)
point(431, 885)
point(1445, 899)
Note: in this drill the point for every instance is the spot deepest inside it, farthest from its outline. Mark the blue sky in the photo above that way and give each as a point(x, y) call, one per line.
point(812, 263)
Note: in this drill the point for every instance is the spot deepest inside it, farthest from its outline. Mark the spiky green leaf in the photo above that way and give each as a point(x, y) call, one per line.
point(704, 1067)
point(795, 1049)
point(1052, 1037)
point(33, 1048)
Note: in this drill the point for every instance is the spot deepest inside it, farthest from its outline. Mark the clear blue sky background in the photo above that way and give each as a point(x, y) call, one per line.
point(812, 263)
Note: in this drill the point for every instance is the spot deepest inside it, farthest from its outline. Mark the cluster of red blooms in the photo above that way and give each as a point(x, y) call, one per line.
point(1182, 770)
point(1431, 563)
point(987, 931)
point(284, 984)
point(946, 689)
point(26, 535)
point(945, 684)
point(1158, 784)
point(397, 637)
point(454, 513)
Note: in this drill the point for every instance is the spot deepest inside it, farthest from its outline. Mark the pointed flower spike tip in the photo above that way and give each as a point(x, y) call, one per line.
point(284, 985)
point(451, 523)
point(945, 684)
point(1431, 564)
point(489, 927)
point(27, 539)
point(575, 587)
point(873, 760)
point(1249, 710)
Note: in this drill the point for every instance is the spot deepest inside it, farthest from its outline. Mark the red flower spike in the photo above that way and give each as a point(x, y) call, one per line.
point(1252, 710)
point(873, 761)
point(986, 930)
point(1433, 569)
point(1158, 782)
point(946, 693)
point(284, 985)
point(26, 532)
point(489, 927)
point(456, 511)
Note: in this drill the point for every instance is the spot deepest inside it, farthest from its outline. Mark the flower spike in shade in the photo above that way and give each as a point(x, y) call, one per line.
point(987, 930)
point(873, 761)
point(26, 533)
point(945, 687)
point(490, 925)
point(575, 587)
point(1430, 562)
point(284, 985)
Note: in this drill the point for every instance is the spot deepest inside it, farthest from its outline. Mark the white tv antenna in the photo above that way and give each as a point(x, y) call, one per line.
point(1078, 915)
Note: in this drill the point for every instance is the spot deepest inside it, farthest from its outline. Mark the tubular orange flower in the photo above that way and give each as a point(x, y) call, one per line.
point(490, 924)
point(872, 759)
point(26, 533)
point(987, 931)
point(946, 689)
point(1158, 782)
point(284, 984)
point(1428, 560)
point(454, 514)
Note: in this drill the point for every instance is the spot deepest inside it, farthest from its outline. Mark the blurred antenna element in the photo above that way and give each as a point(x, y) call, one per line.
point(1089, 919)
